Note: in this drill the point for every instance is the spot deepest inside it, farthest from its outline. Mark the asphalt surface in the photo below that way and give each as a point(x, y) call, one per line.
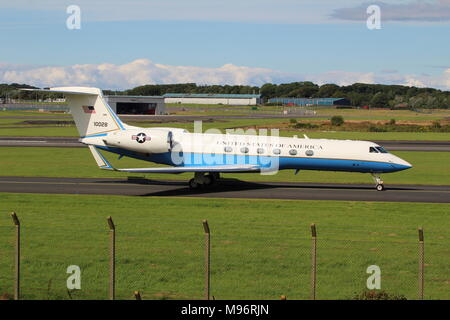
point(227, 189)
point(443, 146)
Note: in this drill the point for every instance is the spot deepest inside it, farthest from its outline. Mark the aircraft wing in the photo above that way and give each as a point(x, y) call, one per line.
point(104, 164)
point(222, 168)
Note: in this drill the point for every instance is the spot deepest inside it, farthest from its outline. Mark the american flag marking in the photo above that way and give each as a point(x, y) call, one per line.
point(88, 109)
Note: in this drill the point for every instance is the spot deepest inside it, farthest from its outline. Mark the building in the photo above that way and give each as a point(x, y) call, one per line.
point(311, 101)
point(137, 104)
point(209, 98)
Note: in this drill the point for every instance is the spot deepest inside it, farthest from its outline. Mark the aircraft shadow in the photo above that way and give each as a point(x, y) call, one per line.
point(235, 185)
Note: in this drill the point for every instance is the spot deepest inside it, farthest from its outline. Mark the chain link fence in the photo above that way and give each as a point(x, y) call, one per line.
point(164, 262)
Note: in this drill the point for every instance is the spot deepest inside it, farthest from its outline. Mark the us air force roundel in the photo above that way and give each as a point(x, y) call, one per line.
point(140, 138)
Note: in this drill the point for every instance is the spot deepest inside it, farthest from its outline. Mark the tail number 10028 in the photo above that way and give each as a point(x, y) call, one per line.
point(100, 124)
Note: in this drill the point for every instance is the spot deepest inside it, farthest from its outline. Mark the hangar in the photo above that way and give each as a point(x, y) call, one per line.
point(311, 101)
point(210, 98)
point(137, 104)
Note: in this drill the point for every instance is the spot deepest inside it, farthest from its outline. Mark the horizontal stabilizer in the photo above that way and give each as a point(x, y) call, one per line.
point(68, 90)
point(101, 161)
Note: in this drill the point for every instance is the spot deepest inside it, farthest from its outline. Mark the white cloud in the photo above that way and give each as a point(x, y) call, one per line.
point(447, 78)
point(144, 71)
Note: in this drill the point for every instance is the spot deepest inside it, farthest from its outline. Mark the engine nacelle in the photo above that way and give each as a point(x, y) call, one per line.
point(141, 140)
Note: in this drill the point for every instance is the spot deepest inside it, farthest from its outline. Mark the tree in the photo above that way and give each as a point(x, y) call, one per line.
point(327, 90)
point(379, 100)
point(337, 121)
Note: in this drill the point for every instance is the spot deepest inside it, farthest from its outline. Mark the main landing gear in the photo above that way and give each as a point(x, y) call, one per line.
point(202, 180)
point(379, 184)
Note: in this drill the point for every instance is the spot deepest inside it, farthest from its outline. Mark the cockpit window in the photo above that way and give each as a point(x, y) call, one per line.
point(381, 149)
point(373, 150)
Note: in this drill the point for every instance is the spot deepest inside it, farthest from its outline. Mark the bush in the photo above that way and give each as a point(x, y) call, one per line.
point(436, 125)
point(392, 122)
point(300, 125)
point(377, 129)
point(378, 295)
point(293, 121)
point(337, 121)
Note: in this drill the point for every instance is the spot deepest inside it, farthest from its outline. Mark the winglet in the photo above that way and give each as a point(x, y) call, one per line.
point(306, 137)
point(101, 161)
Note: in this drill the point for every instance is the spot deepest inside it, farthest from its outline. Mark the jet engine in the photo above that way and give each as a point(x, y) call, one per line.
point(141, 140)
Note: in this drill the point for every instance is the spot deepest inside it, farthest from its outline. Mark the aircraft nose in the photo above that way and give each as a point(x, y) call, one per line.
point(402, 163)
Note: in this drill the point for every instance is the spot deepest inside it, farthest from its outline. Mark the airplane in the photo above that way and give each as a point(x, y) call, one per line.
point(208, 155)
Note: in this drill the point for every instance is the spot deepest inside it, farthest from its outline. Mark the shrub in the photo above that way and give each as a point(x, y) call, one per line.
point(377, 129)
point(378, 295)
point(300, 125)
point(337, 121)
point(392, 122)
point(293, 121)
point(436, 125)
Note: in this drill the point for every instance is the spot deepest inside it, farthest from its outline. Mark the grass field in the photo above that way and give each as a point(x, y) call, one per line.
point(18, 113)
point(15, 127)
point(429, 168)
point(9, 129)
point(379, 114)
point(260, 248)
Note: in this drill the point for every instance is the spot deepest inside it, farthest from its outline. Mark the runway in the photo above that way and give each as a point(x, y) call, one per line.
point(72, 142)
point(227, 189)
point(175, 118)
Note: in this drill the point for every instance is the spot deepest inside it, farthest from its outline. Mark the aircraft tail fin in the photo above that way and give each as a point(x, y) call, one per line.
point(91, 113)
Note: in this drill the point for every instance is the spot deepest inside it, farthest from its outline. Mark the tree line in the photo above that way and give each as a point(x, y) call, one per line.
point(360, 94)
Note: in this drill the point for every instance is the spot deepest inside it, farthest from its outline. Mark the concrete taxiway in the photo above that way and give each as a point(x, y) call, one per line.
point(227, 189)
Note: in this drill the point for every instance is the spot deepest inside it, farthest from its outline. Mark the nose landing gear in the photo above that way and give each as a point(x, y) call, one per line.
point(379, 184)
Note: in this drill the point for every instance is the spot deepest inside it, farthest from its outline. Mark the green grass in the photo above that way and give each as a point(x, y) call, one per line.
point(71, 131)
point(377, 114)
point(18, 113)
point(36, 131)
point(223, 124)
point(429, 167)
point(362, 114)
point(372, 136)
point(260, 248)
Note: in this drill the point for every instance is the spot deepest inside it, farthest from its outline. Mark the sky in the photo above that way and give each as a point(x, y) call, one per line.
point(123, 44)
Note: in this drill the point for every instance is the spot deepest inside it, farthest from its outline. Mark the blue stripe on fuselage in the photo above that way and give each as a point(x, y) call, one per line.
point(198, 159)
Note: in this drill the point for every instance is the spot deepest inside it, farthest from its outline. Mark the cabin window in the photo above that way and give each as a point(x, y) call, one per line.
point(276, 151)
point(381, 149)
point(260, 150)
point(373, 150)
point(228, 149)
point(309, 153)
point(293, 152)
point(244, 150)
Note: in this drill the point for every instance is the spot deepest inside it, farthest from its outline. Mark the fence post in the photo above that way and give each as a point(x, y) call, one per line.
point(16, 257)
point(207, 259)
point(112, 259)
point(421, 264)
point(137, 295)
point(313, 261)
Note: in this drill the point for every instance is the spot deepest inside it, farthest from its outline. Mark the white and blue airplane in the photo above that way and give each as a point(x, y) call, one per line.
point(208, 155)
